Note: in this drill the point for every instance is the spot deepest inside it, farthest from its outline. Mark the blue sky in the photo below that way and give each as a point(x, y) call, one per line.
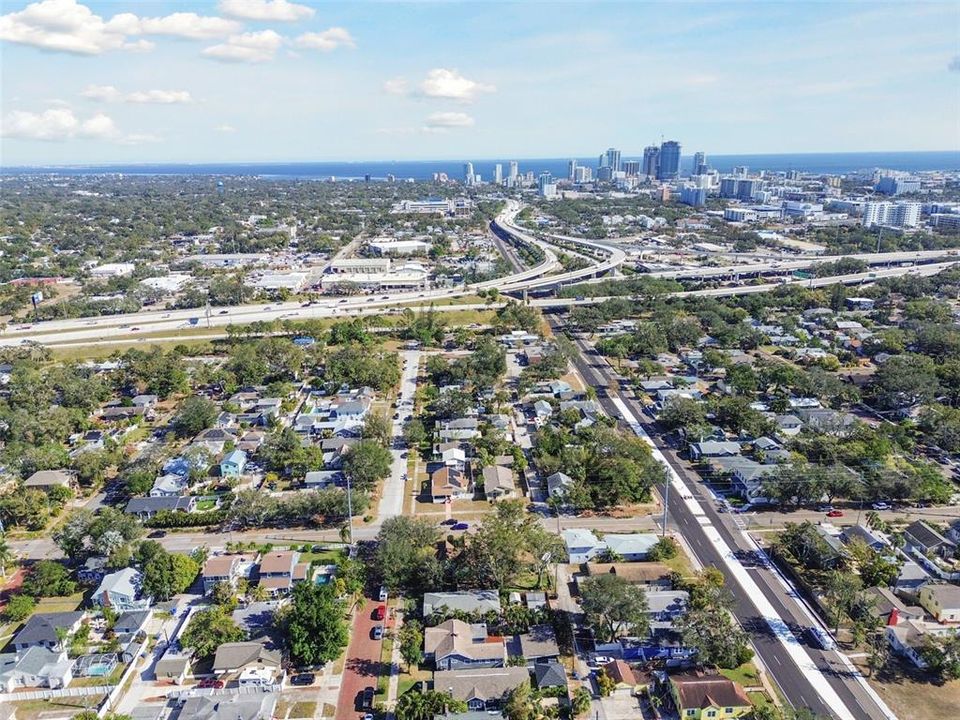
point(275, 80)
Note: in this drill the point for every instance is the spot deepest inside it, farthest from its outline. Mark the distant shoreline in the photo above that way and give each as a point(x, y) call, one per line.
point(835, 163)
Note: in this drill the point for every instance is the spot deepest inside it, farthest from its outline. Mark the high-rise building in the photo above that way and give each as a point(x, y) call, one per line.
point(513, 171)
point(740, 171)
point(498, 174)
point(748, 189)
point(651, 160)
point(699, 164)
point(468, 176)
point(583, 174)
point(897, 185)
point(693, 195)
point(669, 168)
point(613, 159)
point(572, 170)
point(631, 168)
point(605, 173)
point(729, 187)
point(603, 161)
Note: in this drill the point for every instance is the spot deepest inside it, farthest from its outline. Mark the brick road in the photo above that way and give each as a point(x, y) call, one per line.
point(363, 662)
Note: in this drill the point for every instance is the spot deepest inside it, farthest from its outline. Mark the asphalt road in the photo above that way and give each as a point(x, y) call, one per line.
point(792, 681)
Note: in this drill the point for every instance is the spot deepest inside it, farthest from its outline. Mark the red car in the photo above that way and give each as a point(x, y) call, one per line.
point(379, 612)
point(210, 683)
point(835, 513)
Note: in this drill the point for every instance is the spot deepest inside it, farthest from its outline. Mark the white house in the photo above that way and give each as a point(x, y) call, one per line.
point(582, 544)
point(121, 590)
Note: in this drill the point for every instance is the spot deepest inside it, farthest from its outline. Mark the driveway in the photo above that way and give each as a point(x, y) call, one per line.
point(391, 504)
point(362, 666)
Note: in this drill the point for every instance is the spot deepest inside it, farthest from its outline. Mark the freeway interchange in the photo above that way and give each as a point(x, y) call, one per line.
point(606, 256)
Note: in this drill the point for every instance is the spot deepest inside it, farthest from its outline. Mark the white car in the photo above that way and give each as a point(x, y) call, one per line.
point(880, 506)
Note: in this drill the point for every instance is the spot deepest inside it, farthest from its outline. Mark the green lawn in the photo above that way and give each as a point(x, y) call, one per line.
point(747, 674)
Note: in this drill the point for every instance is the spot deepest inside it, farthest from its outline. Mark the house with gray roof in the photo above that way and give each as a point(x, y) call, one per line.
point(921, 536)
point(558, 484)
point(228, 706)
point(35, 667)
point(41, 630)
point(632, 546)
point(236, 657)
point(538, 644)
point(713, 448)
point(480, 689)
point(468, 601)
point(121, 591)
point(455, 644)
point(147, 507)
point(549, 674)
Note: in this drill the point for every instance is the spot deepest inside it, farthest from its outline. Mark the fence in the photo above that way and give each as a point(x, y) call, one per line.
point(58, 693)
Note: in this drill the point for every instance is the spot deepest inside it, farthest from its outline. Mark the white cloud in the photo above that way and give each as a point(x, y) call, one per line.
point(225, 128)
point(248, 47)
point(395, 86)
point(327, 41)
point(99, 126)
point(57, 124)
point(276, 10)
point(160, 97)
point(69, 26)
point(451, 85)
point(103, 93)
point(189, 25)
point(449, 120)
point(138, 139)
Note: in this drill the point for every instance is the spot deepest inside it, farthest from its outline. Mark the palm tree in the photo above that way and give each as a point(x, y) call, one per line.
point(6, 557)
point(62, 635)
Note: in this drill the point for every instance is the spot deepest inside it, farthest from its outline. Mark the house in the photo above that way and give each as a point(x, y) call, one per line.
point(702, 695)
point(237, 657)
point(468, 601)
point(649, 575)
point(225, 706)
point(222, 568)
point(558, 484)
point(321, 479)
point(35, 667)
point(942, 601)
point(455, 644)
point(453, 457)
point(582, 544)
point(632, 547)
point(908, 637)
point(538, 644)
point(256, 618)
point(550, 674)
point(233, 464)
point(174, 664)
point(280, 570)
point(713, 448)
point(169, 485)
point(747, 475)
point(214, 440)
point(498, 482)
point(886, 606)
point(788, 424)
point(93, 570)
point(834, 549)
point(665, 606)
point(251, 441)
point(480, 689)
point(625, 682)
point(460, 429)
point(145, 401)
point(542, 410)
point(120, 591)
point(46, 480)
point(146, 507)
point(924, 538)
point(41, 630)
point(131, 622)
point(449, 483)
point(825, 420)
point(912, 577)
point(871, 538)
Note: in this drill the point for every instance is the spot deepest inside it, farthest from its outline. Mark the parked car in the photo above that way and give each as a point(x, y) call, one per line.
point(379, 612)
point(880, 505)
point(378, 632)
point(835, 513)
point(821, 638)
point(303, 679)
point(366, 701)
point(210, 683)
point(383, 593)
point(157, 534)
point(449, 521)
point(460, 526)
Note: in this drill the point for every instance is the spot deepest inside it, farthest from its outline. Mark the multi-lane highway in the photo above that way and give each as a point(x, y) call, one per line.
point(160, 324)
point(767, 607)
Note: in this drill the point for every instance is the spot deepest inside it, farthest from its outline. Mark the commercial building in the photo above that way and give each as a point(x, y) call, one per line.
point(392, 246)
point(572, 170)
point(611, 159)
point(361, 265)
point(631, 168)
point(699, 164)
point(584, 174)
point(498, 174)
point(468, 176)
point(546, 187)
point(434, 206)
point(889, 185)
point(669, 168)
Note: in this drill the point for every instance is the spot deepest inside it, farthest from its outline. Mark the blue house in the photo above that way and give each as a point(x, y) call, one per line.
point(233, 464)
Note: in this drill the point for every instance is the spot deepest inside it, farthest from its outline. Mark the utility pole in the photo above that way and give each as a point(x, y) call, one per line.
point(666, 505)
point(349, 511)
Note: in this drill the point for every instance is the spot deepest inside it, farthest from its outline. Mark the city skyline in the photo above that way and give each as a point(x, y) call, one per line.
point(278, 81)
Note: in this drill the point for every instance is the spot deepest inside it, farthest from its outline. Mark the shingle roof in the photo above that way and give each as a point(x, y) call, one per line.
point(42, 627)
point(704, 691)
point(241, 654)
point(482, 684)
point(455, 637)
point(550, 674)
point(465, 600)
point(926, 535)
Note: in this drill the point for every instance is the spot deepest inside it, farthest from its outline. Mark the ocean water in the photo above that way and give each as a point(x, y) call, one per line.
point(835, 163)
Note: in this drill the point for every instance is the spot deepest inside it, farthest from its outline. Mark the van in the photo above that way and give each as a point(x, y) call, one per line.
point(383, 593)
point(821, 638)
